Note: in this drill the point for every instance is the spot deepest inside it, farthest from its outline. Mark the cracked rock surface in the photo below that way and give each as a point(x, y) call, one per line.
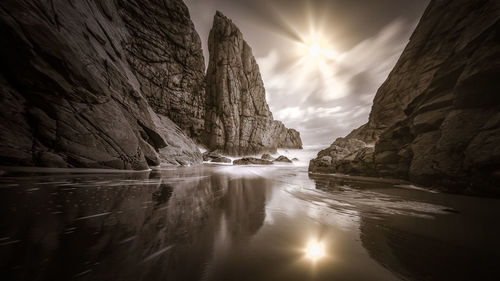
point(237, 119)
point(166, 56)
point(93, 83)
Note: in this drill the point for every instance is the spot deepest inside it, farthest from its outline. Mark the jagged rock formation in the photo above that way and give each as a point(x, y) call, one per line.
point(76, 79)
point(166, 55)
point(347, 156)
point(436, 119)
point(238, 120)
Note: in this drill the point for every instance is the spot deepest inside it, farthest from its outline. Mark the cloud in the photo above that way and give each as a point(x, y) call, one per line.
point(330, 98)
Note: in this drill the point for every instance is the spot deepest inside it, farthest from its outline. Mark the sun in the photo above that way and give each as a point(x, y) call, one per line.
point(315, 50)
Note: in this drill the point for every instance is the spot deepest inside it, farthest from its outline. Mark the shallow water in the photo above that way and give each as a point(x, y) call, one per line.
point(240, 223)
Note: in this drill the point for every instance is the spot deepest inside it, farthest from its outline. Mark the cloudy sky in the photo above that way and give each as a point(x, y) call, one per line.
point(321, 60)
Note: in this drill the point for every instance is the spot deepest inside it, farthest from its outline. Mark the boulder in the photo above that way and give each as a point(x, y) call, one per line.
point(283, 159)
point(209, 155)
point(266, 156)
point(221, 159)
point(251, 160)
point(347, 156)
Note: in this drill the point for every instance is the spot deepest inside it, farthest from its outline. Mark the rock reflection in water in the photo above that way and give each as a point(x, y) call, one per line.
point(140, 226)
point(240, 223)
point(410, 234)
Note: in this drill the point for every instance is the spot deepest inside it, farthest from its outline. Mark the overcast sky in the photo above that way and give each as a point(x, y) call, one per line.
point(322, 61)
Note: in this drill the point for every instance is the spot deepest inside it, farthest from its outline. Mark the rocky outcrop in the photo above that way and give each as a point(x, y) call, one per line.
point(221, 159)
point(347, 156)
point(436, 119)
point(92, 83)
point(266, 156)
point(282, 159)
point(251, 160)
point(238, 120)
point(209, 155)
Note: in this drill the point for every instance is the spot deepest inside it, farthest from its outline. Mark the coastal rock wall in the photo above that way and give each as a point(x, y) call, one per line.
point(82, 83)
point(121, 84)
point(238, 120)
point(436, 120)
point(166, 56)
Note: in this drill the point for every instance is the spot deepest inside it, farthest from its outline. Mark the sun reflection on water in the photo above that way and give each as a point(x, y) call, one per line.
point(315, 250)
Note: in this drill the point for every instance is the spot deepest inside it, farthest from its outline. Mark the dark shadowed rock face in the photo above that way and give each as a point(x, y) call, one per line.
point(166, 55)
point(76, 79)
point(251, 160)
point(238, 120)
point(221, 159)
point(436, 119)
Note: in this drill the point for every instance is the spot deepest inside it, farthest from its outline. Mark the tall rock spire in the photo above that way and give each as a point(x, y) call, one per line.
point(238, 120)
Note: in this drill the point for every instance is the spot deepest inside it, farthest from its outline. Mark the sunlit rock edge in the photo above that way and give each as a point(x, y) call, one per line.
point(436, 119)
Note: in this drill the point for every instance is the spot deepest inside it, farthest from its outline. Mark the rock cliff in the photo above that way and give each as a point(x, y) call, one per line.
point(92, 83)
point(436, 119)
point(166, 56)
point(238, 120)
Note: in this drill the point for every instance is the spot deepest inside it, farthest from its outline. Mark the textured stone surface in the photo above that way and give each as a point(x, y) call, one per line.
point(76, 78)
point(282, 159)
point(347, 156)
point(166, 55)
point(436, 119)
point(266, 156)
point(179, 149)
point(251, 160)
point(209, 155)
point(221, 159)
point(238, 120)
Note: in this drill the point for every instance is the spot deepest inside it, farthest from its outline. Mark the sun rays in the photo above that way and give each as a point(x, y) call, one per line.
point(313, 58)
point(316, 49)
